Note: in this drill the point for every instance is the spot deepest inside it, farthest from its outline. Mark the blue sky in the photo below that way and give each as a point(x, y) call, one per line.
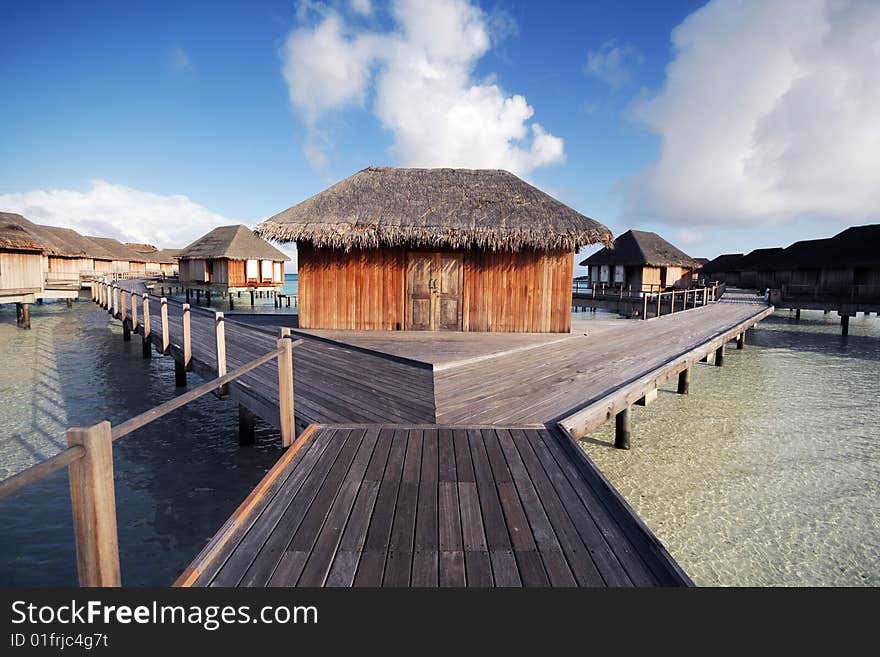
point(160, 119)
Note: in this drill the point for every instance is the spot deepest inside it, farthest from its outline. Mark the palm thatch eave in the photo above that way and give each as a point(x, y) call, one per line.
point(436, 208)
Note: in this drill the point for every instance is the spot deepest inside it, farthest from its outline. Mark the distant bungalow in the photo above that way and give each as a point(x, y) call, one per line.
point(158, 261)
point(21, 262)
point(641, 260)
point(122, 258)
point(231, 259)
point(850, 258)
point(434, 249)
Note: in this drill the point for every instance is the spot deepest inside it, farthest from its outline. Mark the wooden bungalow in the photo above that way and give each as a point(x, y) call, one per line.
point(723, 269)
point(122, 258)
point(434, 249)
point(756, 268)
point(231, 259)
point(21, 261)
point(850, 258)
point(640, 260)
point(158, 261)
point(65, 254)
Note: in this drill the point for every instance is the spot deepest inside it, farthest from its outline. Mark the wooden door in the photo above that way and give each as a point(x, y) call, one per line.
point(434, 292)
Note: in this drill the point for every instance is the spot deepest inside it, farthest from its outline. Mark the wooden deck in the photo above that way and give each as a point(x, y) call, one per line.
point(382, 505)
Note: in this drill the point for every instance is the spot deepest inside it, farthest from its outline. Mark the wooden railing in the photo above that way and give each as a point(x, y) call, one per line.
point(652, 299)
point(89, 452)
point(689, 299)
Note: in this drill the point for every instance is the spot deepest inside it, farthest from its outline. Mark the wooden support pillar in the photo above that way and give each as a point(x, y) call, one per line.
point(147, 351)
point(741, 340)
point(645, 309)
point(826, 311)
point(208, 298)
point(25, 315)
point(659, 299)
point(179, 374)
point(69, 302)
point(719, 356)
point(252, 297)
point(231, 303)
point(649, 398)
point(198, 296)
point(285, 391)
point(220, 342)
point(684, 381)
point(623, 428)
point(246, 425)
point(163, 313)
point(797, 315)
point(187, 295)
point(275, 299)
point(844, 324)
point(187, 337)
point(93, 501)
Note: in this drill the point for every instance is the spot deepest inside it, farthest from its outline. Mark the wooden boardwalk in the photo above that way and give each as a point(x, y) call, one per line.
point(381, 505)
point(524, 380)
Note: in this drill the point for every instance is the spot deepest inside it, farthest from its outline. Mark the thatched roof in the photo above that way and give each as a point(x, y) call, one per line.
point(14, 236)
point(858, 246)
point(234, 243)
point(723, 263)
point(165, 256)
point(57, 242)
point(451, 208)
point(116, 250)
point(760, 259)
point(141, 248)
point(640, 247)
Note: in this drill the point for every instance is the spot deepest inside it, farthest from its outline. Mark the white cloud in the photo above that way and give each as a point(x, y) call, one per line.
point(178, 60)
point(108, 210)
point(418, 81)
point(363, 7)
point(613, 63)
point(769, 112)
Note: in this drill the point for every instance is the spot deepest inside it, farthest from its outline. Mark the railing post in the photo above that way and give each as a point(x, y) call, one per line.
point(187, 337)
point(220, 340)
point(147, 351)
point(672, 305)
point(705, 295)
point(659, 298)
point(134, 312)
point(93, 501)
point(645, 309)
point(285, 391)
point(111, 307)
point(163, 312)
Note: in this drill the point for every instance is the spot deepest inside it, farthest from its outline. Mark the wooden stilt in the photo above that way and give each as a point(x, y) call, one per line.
point(231, 303)
point(844, 324)
point(719, 356)
point(25, 315)
point(179, 374)
point(69, 302)
point(623, 428)
point(684, 381)
point(208, 298)
point(741, 340)
point(93, 501)
point(797, 315)
point(246, 424)
point(252, 297)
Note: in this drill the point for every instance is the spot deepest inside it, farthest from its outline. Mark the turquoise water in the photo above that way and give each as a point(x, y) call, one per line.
point(767, 472)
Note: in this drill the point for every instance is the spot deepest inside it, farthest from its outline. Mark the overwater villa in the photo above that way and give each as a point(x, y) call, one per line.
point(158, 261)
point(641, 260)
point(434, 249)
point(122, 258)
point(21, 267)
point(231, 259)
